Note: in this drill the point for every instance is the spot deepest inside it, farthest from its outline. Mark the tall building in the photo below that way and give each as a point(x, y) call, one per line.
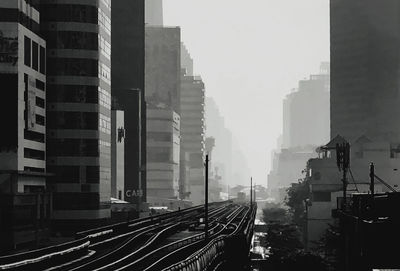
point(306, 112)
point(79, 109)
point(24, 202)
point(128, 92)
point(365, 64)
point(223, 151)
point(192, 101)
point(305, 127)
point(186, 60)
point(163, 66)
point(163, 149)
point(154, 12)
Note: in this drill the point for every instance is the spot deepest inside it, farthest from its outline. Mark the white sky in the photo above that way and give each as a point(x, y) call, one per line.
point(251, 53)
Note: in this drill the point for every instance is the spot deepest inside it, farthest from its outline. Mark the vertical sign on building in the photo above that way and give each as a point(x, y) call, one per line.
point(31, 105)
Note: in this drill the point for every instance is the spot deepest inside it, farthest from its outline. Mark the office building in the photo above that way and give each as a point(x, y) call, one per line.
point(186, 60)
point(163, 149)
point(365, 63)
point(128, 91)
point(193, 135)
point(24, 199)
point(163, 66)
point(78, 96)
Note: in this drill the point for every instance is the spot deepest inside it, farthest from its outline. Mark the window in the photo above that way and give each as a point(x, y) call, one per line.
point(64, 174)
point(72, 40)
point(73, 120)
point(73, 94)
point(33, 154)
point(34, 136)
point(27, 51)
point(73, 147)
point(40, 85)
point(104, 22)
point(159, 155)
point(40, 120)
point(321, 196)
point(105, 73)
point(105, 47)
point(35, 56)
point(105, 124)
point(39, 102)
point(92, 174)
point(42, 60)
point(104, 98)
point(73, 67)
point(159, 136)
point(69, 13)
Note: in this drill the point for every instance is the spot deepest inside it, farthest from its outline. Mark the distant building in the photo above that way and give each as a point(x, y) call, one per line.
point(306, 112)
point(154, 12)
point(305, 127)
point(163, 154)
point(365, 60)
point(128, 92)
point(193, 134)
point(162, 66)
point(79, 110)
point(186, 60)
point(25, 206)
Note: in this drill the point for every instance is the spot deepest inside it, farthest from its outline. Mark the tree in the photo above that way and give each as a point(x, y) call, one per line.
point(295, 199)
point(273, 212)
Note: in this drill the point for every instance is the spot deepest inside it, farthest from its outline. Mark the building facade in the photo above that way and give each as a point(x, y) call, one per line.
point(117, 154)
point(163, 147)
point(79, 109)
point(365, 62)
point(24, 199)
point(128, 92)
point(193, 135)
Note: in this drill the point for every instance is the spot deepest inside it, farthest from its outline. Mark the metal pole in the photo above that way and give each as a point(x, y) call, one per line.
point(372, 178)
point(206, 202)
point(251, 192)
point(344, 189)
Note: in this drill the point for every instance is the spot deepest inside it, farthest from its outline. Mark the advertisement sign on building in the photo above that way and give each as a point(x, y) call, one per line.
point(8, 49)
point(31, 105)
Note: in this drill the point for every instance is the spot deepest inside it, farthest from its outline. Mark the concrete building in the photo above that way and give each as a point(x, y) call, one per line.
point(306, 112)
point(365, 61)
point(223, 156)
point(163, 153)
point(117, 154)
point(325, 179)
point(163, 66)
point(186, 60)
point(128, 92)
point(154, 12)
point(305, 127)
point(79, 110)
point(193, 135)
point(24, 199)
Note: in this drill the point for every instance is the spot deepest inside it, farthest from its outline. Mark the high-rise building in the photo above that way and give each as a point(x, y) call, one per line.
point(186, 60)
point(193, 135)
point(365, 63)
point(24, 201)
point(163, 148)
point(78, 96)
point(163, 66)
point(128, 92)
point(154, 12)
point(306, 112)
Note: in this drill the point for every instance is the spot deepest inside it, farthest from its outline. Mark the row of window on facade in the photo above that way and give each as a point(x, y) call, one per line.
point(34, 55)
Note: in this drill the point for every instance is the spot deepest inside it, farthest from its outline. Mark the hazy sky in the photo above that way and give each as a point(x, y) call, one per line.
point(251, 53)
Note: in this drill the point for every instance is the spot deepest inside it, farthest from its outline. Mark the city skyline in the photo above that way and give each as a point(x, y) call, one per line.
point(274, 39)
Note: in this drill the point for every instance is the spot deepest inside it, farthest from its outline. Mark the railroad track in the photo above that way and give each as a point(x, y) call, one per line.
point(105, 245)
point(156, 259)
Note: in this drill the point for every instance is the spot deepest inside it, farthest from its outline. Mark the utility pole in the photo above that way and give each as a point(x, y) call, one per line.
point(206, 202)
point(372, 178)
point(343, 163)
point(251, 193)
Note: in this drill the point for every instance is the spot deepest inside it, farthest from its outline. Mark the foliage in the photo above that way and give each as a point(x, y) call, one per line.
point(284, 239)
point(329, 244)
point(273, 212)
point(295, 200)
